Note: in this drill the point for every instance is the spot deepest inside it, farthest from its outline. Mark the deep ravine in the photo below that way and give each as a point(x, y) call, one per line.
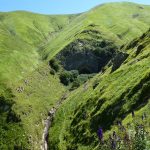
point(48, 122)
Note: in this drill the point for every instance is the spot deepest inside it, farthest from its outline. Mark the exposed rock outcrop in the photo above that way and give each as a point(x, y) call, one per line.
point(87, 56)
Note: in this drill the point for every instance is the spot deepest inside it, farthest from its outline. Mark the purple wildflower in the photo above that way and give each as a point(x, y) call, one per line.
point(100, 133)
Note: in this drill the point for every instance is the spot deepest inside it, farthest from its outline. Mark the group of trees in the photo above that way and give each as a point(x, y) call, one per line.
point(67, 77)
point(102, 49)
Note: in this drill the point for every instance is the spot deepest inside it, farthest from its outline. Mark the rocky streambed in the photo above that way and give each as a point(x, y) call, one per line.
point(48, 122)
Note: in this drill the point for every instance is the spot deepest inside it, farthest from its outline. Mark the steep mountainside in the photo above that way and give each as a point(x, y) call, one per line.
point(104, 99)
point(118, 22)
point(101, 57)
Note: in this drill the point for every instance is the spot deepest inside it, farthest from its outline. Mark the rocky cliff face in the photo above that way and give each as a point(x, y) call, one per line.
point(87, 56)
point(83, 61)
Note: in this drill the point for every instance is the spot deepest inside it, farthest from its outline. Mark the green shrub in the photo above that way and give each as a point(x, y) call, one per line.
point(75, 84)
point(52, 72)
point(54, 64)
point(74, 74)
point(140, 138)
point(65, 77)
point(10, 124)
point(68, 76)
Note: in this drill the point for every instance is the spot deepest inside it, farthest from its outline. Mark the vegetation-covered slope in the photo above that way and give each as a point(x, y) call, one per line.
point(103, 100)
point(22, 36)
point(119, 22)
point(24, 106)
point(25, 91)
point(29, 86)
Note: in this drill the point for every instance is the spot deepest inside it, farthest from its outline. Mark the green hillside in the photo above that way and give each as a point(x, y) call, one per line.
point(22, 36)
point(119, 22)
point(106, 98)
point(100, 57)
point(24, 78)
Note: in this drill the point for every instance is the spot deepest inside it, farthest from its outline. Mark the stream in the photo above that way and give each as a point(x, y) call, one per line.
point(48, 122)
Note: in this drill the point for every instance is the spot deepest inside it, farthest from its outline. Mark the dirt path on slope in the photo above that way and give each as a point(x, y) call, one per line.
point(49, 120)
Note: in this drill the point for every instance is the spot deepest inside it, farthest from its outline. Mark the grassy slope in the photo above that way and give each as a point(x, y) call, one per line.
point(33, 104)
point(77, 121)
point(119, 25)
point(68, 131)
point(32, 33)
point(22, 36)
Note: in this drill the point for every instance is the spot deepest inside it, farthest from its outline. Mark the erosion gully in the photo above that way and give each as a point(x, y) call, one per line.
point(48, 122)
